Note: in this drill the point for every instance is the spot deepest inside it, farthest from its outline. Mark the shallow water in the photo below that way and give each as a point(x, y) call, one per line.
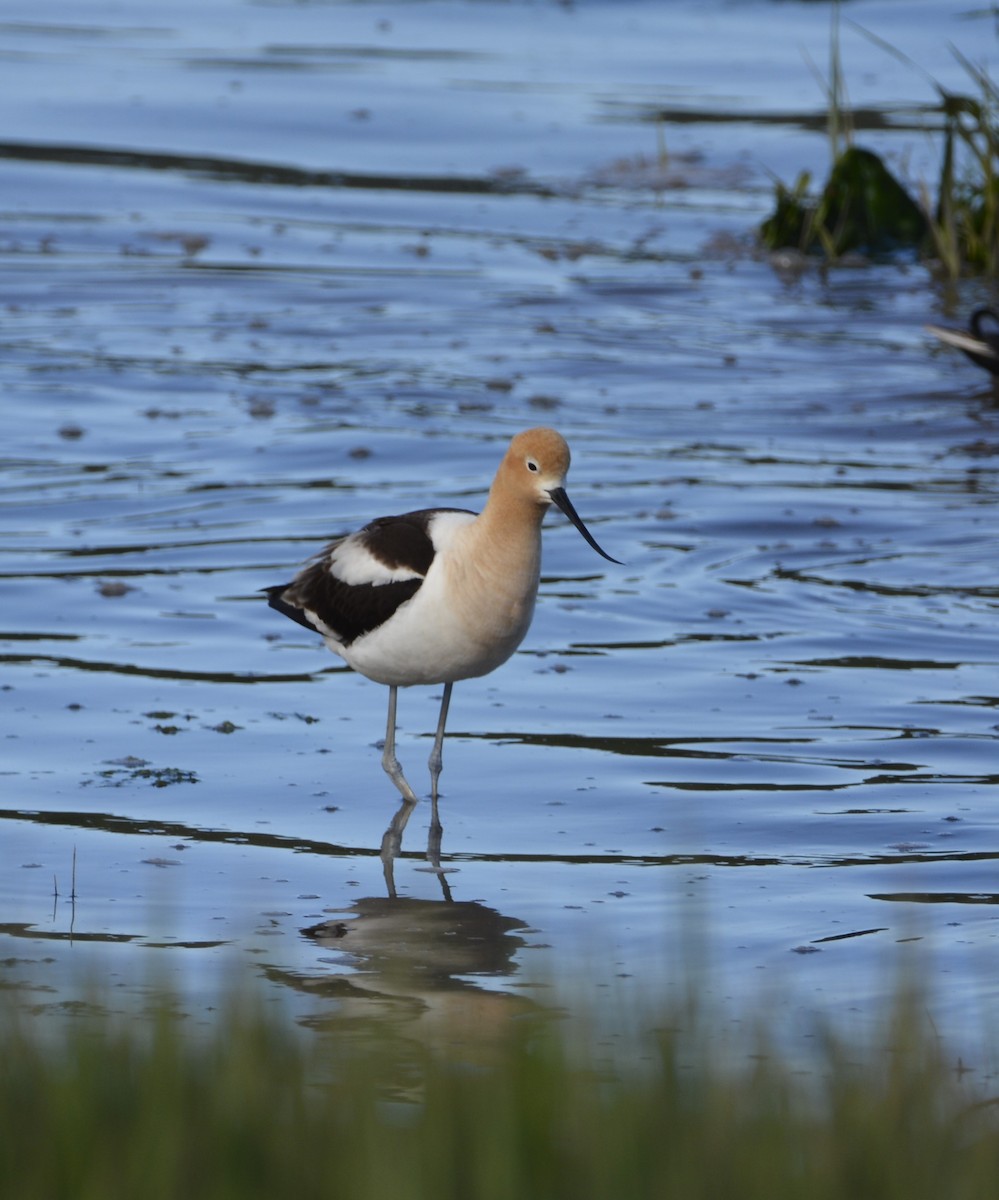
point(271, 270)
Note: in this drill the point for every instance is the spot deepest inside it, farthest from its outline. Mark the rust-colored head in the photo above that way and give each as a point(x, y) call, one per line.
point(536, 461)
point(534, 469)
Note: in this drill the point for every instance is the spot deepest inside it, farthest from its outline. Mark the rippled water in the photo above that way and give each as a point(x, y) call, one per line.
point(271, 270)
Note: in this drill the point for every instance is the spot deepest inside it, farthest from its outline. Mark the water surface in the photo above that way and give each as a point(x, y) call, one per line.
point(271, 270)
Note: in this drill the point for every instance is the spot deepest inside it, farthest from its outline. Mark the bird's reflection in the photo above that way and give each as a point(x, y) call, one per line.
point(411, 964)
point(402, 942)
point(392, 845)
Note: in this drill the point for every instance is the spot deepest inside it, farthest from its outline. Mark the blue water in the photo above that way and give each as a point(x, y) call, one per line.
point(269, 271)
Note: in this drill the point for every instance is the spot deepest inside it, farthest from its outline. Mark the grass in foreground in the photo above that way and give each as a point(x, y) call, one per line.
point(251, 1109)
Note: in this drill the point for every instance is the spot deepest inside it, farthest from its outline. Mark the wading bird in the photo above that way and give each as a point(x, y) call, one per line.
point(441, 594)
point(980, 344)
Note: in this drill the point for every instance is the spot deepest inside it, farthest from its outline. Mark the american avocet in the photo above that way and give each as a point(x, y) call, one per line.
point(440, 594)
point(981, 345)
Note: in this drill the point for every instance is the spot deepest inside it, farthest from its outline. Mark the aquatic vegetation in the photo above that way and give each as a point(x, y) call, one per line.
point(123, 771)
point(864, 207)
point(861, 207)
point(246, 1106)
point(965, 227)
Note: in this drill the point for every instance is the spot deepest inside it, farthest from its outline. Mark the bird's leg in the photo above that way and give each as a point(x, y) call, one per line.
point(437, 754)
point(389, 761)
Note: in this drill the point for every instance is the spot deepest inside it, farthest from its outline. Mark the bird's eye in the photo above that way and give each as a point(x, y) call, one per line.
point(532, 465)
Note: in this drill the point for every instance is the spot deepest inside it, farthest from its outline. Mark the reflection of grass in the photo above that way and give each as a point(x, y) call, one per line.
point(863, 207)
point(248, 1109)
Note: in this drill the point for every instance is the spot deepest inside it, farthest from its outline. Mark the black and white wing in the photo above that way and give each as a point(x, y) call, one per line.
point(358, 582)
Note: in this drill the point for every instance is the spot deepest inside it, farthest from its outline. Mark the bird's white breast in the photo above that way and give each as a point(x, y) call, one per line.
point(465, 620)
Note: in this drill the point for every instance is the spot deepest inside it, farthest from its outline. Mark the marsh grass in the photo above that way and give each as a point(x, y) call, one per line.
point(247, 1107)
point(966, 221)
point(864, 207)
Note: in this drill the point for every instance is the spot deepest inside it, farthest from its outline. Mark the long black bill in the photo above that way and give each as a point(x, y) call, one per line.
point(565, 504)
